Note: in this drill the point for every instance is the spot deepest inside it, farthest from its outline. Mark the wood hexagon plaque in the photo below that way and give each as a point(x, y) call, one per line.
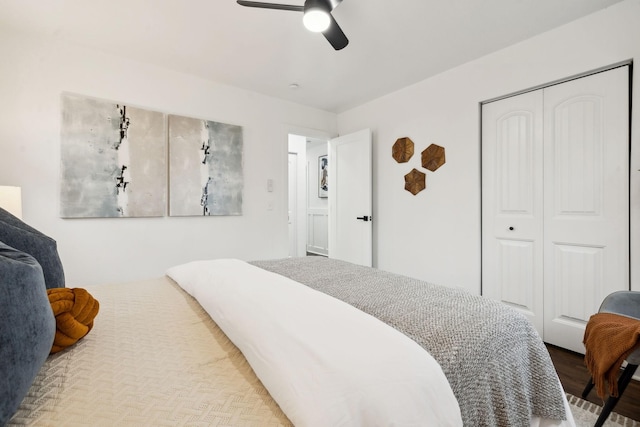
point(402, 150)
point(415, 181)
point(433, 157)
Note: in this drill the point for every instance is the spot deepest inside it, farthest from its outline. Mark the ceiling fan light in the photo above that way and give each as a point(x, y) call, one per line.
point(316, 20)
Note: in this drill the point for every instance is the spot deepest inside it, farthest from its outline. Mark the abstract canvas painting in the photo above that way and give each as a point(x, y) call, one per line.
point(113, 160)
point(205, 170)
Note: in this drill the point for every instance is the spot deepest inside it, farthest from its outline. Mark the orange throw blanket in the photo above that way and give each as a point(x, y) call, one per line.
point(609, 339)
point(74, 310)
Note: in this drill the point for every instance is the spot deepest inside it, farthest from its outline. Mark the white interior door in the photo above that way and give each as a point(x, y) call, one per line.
point(555, 201)
point(350, 198)
point(586, 185)
point(512, 203)
point(293, 205)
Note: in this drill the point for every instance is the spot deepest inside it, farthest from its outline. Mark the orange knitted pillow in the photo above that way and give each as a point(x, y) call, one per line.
point(74, 310)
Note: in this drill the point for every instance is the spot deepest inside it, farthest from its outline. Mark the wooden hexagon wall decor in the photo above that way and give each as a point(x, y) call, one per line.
point(415, 181)
point(433, 157)
point(402, 150)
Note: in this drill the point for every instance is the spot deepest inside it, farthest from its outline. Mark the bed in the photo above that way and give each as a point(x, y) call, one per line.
point(207, 345)
point(305, 341)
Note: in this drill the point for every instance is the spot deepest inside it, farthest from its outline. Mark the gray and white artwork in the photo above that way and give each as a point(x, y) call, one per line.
point(113, 160)
point(205, 171)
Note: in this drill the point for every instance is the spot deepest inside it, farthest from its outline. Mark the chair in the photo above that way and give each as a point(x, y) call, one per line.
point(626, 303)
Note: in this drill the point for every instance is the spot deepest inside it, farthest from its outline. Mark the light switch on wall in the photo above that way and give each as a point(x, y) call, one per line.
point(270, 185)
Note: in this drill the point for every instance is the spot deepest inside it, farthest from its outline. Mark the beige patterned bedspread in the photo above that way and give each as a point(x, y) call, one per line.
point(153, 358)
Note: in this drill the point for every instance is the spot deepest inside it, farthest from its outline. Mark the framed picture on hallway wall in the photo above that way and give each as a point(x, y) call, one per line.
point(323, 176)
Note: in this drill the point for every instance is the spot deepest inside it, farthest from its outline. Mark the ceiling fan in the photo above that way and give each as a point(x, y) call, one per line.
point(317, 18)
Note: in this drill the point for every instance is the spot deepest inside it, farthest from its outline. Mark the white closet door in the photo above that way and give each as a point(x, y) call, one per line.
point(555, 202)
point(586, 214)
point(512, 203)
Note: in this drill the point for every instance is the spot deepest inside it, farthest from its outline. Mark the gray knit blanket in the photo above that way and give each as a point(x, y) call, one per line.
point(494, 359)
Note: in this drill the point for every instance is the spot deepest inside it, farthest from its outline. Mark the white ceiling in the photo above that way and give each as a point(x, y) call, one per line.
point(393, 44)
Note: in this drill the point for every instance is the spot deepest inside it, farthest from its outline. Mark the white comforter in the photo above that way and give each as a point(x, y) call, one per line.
point(325, 362)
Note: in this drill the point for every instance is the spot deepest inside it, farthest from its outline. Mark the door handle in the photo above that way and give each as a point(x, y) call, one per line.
point(364, 218)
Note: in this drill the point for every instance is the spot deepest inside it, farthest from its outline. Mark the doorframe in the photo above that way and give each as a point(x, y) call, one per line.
point(307, 133)
point(602, 69)
point(634, 229)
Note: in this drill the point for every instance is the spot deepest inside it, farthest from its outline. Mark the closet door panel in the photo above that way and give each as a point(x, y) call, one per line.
point(578, 156)
point(512, 203)
point(586, 188)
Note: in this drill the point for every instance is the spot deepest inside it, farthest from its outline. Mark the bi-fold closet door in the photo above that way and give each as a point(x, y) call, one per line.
point(555, 201)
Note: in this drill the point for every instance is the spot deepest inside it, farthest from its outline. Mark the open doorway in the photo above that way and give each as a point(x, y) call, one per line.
point(308, 202)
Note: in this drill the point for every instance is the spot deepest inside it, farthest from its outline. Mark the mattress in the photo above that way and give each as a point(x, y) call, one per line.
point(153, 358)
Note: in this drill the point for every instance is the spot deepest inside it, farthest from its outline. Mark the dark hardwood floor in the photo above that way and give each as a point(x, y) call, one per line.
point(574, 376)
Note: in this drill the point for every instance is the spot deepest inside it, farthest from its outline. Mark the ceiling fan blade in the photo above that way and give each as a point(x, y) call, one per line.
point(270, 5)
point(335, 35)
point(334, 3)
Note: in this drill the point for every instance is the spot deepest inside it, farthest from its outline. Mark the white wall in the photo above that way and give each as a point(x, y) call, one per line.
point(298, 145)
point(33, 74)
point(436, 235)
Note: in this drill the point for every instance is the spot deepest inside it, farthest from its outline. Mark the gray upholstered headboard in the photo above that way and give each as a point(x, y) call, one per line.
point(29, 264)
point(18, 235)
point(27, 326)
